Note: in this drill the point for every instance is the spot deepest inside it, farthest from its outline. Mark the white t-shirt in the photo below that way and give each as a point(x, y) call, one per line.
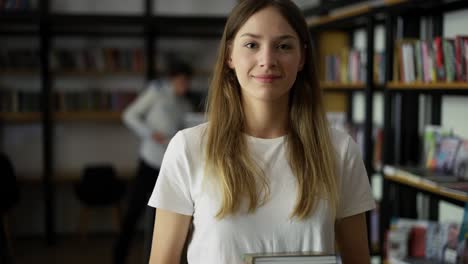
point(180, 188)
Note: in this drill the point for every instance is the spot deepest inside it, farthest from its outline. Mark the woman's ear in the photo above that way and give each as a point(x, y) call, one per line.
point(229, 63)
point(228, 57)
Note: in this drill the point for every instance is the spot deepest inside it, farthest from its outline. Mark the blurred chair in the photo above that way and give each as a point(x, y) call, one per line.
point(99, 187)
point(9, 196)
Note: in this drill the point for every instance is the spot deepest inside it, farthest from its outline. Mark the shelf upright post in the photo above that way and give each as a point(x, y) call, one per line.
point(436, 114)
point(149, 41)
point(369, 89)
point(368, 120)
point(436, 99)
point(350, 94)
point(387, 149)
point(47, 122)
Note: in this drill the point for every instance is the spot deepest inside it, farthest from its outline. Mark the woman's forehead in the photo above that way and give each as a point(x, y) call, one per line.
point(267, 22)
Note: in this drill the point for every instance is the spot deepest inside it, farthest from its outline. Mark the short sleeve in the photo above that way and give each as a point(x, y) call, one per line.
point(172, 189)
point(356, 195)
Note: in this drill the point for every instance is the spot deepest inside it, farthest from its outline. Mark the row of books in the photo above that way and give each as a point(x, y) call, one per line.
point(91, 100)
point(18, 4)
point(82, 60)
point(20, 101)
point(438, 60)
point(350, 67)
point(99, 60)
point(347, 67)
point(422, 239)
point(356, 131)
point(19, 59)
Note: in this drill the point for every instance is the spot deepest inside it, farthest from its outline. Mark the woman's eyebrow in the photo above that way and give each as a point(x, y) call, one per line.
point(256, 36)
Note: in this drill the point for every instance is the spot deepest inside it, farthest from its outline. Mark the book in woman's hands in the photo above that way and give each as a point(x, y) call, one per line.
point(289, 258)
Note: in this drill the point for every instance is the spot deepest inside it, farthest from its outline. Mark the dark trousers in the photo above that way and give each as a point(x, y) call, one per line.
point(5, 257)
point(142, 188)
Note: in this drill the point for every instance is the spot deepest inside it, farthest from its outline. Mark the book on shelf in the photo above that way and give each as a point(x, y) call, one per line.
point(437, 60)
point(461, 161)
point(431, 138)
point(423, 240)
point(446, 153)
point(290, 258)
point(462, 249)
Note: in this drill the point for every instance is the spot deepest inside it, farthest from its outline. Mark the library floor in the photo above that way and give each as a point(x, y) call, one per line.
point(72, 250)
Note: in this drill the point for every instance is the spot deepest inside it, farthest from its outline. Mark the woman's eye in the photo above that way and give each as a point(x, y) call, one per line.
point(250, 45)
point(284, 47)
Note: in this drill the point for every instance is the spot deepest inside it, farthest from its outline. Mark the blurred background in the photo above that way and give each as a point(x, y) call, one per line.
point(69, 68)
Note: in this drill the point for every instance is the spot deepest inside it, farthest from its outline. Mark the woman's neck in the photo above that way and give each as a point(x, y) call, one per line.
point(266, 119)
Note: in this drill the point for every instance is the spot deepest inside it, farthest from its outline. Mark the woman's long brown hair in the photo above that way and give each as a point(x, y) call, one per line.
point(309, 148)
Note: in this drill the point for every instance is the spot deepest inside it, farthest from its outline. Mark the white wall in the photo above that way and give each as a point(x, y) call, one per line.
point(101, 6)
point(196, 7)
point(167, 7)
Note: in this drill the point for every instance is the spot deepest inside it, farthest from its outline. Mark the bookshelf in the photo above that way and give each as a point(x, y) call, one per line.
point(460, 86)
point(342, 71)
point(329, 86)
point(401, 148)
point(350, 13)
point(23, 72)
point(47, 27)
point(399, 142)
point(421, 183)
point(18, 117)
point(82, 116)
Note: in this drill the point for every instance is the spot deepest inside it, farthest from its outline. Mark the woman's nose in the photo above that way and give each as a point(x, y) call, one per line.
point(268, 58)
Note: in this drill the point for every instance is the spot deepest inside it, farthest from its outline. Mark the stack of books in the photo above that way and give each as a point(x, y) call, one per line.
point(289, 258)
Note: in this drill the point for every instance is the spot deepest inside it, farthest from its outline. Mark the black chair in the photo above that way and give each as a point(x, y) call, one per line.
point(99, 187)
point(9, 197)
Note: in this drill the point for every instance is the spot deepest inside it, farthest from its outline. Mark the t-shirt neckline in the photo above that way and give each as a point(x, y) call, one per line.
point(265, 140)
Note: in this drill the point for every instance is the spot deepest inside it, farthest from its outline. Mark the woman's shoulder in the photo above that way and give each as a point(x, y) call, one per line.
point(340, 140)
point(190, 138)
point(194, 133)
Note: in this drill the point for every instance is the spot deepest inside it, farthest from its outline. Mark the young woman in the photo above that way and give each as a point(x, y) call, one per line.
point(266, 173)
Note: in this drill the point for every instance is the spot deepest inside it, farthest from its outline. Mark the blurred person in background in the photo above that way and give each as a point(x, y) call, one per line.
point(154, 116)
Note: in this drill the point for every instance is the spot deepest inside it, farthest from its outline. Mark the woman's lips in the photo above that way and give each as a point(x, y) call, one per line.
point(266, 78)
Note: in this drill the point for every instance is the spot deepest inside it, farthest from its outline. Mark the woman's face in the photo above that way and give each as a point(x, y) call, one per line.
point(266, 55)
